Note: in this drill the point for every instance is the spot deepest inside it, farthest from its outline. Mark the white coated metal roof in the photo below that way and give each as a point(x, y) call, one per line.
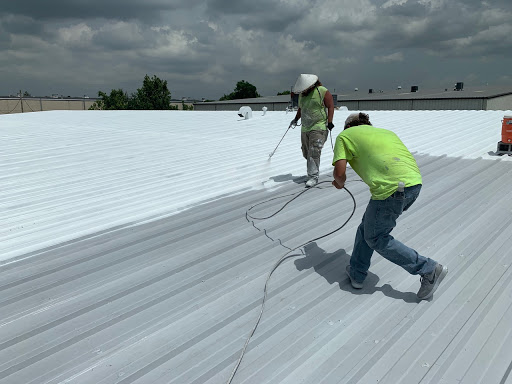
point(127, 256)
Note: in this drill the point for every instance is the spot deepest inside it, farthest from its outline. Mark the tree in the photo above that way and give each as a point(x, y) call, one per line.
point(154, 94)
point(283, 93)
point(243, 90)
point(26, 94)
point(185, 107)
point(118, 99)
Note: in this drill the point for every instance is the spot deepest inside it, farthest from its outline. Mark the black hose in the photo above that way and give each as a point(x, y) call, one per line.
point(283, 258)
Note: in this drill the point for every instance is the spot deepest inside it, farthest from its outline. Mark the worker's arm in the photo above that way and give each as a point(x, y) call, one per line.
point(297, 116)
point(329, 104)
point(340, 174)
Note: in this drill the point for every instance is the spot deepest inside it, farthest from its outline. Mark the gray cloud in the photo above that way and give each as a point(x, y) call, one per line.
point(204, 47)
point(90, 9)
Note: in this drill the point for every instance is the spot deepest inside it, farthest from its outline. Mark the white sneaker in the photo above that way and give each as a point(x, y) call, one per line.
point(311, 182)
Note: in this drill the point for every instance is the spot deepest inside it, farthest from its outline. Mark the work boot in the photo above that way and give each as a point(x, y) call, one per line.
point(311, 182)
point(430, 282)
point(354, 283)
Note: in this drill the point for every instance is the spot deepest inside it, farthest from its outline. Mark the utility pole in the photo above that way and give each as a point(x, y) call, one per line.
point(21, 101)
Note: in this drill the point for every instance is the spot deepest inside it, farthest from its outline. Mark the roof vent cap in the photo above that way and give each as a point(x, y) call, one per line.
point(245, 112)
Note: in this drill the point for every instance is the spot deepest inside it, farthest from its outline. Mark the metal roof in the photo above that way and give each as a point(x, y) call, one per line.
point(482, 92)
point(264, 99)
point(131, 259)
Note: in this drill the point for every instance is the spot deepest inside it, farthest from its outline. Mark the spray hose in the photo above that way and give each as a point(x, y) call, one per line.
point(283, 258)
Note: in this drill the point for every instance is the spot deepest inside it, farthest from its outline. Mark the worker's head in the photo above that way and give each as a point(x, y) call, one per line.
point(305, 83)
point(355, 119)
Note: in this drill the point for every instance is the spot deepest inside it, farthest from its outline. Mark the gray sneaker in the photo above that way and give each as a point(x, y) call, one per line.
point(354, 283)
point(311, 182)
point(430, 282)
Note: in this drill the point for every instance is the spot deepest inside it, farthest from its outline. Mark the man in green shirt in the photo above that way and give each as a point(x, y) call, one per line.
point(316, 109)
point(384, 163)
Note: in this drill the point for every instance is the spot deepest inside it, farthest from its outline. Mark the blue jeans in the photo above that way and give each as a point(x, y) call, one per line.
point(373, 234)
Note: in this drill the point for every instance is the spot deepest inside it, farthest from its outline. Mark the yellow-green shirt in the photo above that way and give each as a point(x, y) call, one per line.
point(312, 109)
point(379, 157)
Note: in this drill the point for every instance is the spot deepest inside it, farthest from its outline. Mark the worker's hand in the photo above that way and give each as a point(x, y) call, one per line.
point(336, 185)
point(330, 126)
point(293, 123)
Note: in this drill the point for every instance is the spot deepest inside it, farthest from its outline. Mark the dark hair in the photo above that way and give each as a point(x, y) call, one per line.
point(362, 119)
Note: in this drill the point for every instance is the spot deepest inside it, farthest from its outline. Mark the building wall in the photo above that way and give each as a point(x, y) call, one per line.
point(413, 105)
point(180, 105)
point(237, 106)
point(502, 103)
point(448, 104)
point(363, 105)
point(34, 104)
point(13, 105)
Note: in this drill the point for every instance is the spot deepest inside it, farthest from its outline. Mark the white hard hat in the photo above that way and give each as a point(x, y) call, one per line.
point(304, 82)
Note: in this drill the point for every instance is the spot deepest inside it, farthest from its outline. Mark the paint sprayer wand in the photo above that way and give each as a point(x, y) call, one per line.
point(292, 125)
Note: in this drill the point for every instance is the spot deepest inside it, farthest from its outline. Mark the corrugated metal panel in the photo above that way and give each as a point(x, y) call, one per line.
point(385, 105)
point(169, 296)
point(499, 103)
point(448, 104)
point(417, 105)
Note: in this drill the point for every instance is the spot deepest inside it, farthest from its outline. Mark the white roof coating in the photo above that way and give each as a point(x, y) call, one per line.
point(126, 255)
point(68, 174)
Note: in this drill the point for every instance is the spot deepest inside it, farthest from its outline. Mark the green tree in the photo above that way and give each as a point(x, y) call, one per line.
point(185, 107)
point(118, 99)
point(154, 94)
point(26, 94)
point(243, 90)
point(283, 93)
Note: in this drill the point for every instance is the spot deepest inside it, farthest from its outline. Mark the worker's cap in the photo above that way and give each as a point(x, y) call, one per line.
point(304, 82)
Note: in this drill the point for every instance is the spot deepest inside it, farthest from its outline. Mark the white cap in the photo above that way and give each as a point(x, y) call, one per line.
point(304, 82)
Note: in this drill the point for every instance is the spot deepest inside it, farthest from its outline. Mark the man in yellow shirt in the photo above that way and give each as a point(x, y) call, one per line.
point(385, 164)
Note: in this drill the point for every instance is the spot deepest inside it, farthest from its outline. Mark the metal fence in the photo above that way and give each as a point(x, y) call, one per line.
point(37, 104)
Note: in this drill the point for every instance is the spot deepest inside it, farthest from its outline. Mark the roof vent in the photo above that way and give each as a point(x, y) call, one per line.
point(399, 87)
point(245, 112)
point(356, 89)
point(414, 88)
point(370, 90)
point(264, 109)
point(459, 86)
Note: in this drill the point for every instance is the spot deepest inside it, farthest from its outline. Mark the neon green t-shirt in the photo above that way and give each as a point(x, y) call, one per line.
point(312, 108)
point(379, 157)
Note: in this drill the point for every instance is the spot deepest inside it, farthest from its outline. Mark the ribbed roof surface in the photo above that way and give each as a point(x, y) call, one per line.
point(484, 92)
point(128, 257)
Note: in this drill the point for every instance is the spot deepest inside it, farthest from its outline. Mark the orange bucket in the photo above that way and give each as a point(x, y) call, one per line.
point(506, 130)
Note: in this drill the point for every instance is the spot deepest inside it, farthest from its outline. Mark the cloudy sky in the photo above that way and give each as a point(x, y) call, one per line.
point(203, 47)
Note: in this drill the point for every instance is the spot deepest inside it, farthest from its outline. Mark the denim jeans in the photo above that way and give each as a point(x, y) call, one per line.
point(373, 234)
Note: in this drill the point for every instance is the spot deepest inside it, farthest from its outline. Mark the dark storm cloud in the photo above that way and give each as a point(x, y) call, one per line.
point(266, 15)
point(441, 28)
point(21, 25)
point(90, 9)
point(204, 47)
point(5, 38)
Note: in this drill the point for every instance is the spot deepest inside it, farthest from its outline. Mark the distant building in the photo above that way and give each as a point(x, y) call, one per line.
point(486, 98)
